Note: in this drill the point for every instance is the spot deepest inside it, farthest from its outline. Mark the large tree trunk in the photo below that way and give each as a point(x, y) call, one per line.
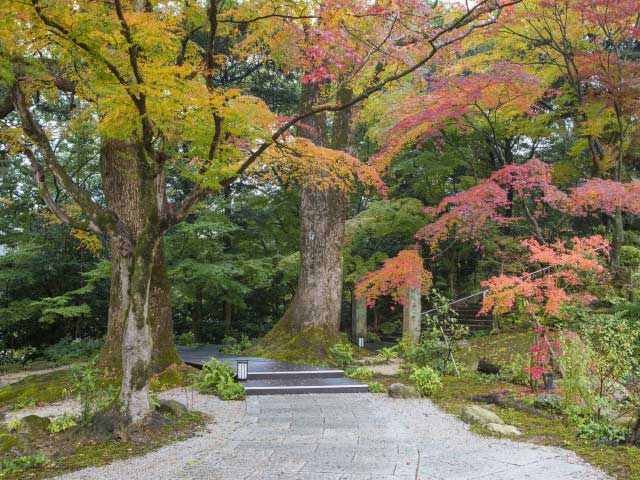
point(311, 323)
point(123, 195)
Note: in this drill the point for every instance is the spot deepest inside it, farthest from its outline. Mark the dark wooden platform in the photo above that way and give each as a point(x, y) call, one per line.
point(271, 377)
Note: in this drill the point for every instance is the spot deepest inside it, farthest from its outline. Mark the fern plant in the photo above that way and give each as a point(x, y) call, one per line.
point(219, 378)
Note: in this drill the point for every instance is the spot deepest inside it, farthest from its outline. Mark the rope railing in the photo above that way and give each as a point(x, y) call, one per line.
point(483, 293)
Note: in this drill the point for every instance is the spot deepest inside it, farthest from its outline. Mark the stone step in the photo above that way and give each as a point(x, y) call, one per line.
point(304, 385)
point(297, 374)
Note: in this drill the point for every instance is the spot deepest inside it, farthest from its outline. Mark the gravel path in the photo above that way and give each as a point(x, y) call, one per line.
point(51, 410)
point(339, 437)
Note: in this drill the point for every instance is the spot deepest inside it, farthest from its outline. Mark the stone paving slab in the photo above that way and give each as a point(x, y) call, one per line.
point(340, 437)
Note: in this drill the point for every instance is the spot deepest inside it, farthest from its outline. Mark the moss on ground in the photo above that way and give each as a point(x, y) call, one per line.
point(73, 451)
point(55, 386)
point(80, 452)
point(286, 344)
point(499, 348)
point(622, 461)
point(45, 388)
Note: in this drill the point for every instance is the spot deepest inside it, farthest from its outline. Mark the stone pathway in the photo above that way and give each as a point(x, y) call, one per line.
point(340, 437)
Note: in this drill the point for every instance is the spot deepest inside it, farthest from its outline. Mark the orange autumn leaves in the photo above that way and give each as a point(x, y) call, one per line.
point(298, 160)
point(395, 278)
point(548, 292)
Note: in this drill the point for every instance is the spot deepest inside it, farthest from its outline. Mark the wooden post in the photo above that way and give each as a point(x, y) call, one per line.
point(359, 318)
point(411, 314)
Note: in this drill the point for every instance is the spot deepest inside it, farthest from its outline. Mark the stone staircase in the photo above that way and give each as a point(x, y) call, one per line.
point(271, 377)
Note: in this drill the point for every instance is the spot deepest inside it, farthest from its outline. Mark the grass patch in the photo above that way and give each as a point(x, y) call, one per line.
point(620, 461)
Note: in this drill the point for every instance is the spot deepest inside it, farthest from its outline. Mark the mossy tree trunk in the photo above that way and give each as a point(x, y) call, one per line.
point(312, 321)
point(123, 195)
point(140, 313)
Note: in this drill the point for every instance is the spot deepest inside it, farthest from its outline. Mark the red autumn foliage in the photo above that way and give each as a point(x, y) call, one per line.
point(394, 278)
point(605, 196)
point(469, 215)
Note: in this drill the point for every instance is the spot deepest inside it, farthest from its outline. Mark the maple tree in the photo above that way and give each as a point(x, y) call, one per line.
point(394, 279)
point(460, 94)
point(586, 46)
point(546, 294)
point(568, 270)
point(158, 98)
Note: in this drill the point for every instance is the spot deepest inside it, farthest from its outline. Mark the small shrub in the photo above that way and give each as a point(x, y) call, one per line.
point(360, 373)
point(603, 432)
point(575, 360)
point(60, 424)
point(388, 353)
point(89, 387)
point(23, 401)
point(373, 338)
point(376, 387)
point(391, 329)
point(233, 346)
point(419, 354)
point(20, 356)
point(426, 380)
point(630, 256)
point(514, 371)
point(22, 464)
point(341, 354)
point(69, 349)
point(13, 425)
point(219, 378)
point(186, 339)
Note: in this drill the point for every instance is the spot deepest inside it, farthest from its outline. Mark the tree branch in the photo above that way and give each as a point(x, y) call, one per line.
point(100, 220)
point(468, 18)
point(39, 176)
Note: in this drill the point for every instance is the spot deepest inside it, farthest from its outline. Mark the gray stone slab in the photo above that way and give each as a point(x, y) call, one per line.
point(340, 437)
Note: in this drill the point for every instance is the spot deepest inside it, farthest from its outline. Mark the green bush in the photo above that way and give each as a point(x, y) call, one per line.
point(219, 378)
point(391, 329)
point(19, 356)
point(630, 256)
point(186, 339)
point(575, 360)
point(426, 380)
point(603, 432)
point(418, 354)
point(373, 338)
point(514, 371)
point(233, 346)
point(376, 387)
point(341, 354)
point(22, 464)
point(69, 349)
